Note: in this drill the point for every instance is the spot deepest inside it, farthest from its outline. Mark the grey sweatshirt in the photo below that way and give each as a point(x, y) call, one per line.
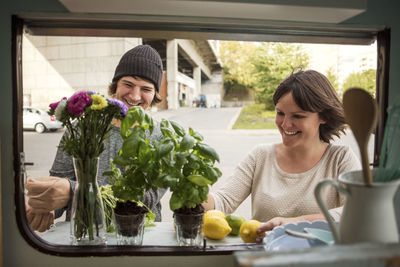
point(63, 167)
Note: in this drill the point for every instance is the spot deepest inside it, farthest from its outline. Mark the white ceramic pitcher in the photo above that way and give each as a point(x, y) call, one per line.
point(368, 213)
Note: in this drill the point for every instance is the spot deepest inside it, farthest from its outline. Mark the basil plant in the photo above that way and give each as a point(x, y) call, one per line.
point(187, 165)
point(137, 165)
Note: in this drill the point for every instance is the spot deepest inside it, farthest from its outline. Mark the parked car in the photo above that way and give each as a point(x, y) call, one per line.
point(39, 120)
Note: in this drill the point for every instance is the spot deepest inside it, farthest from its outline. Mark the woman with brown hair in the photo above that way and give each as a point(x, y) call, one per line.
point(281, 177)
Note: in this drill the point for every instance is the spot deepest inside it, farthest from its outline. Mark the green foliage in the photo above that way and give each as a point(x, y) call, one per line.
point(272, 64)
point(332, 77)
point(236, 58)
point(259, 67)
point(109, 202)
point(138, 158)
point(187, 166)
point(365, 80)
point(180, 161)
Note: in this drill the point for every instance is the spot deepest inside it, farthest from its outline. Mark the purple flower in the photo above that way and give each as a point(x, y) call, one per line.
point(55, 104)
point(118, 103)
point(78, 102)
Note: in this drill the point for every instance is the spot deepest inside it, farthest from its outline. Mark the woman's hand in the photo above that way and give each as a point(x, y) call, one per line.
point(269, 225)
point(210, 204)
point(277, 221)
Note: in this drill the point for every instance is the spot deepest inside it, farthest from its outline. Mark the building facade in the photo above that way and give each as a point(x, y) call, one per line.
point(56, 66)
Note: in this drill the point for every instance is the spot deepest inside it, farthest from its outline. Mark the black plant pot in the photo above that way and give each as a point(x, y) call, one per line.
point(188, 227)
point(129, 223)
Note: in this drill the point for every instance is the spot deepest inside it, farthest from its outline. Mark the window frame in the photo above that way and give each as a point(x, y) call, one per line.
point(172, 27)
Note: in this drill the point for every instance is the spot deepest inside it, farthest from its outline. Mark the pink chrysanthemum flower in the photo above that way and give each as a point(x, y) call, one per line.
point(78, 102)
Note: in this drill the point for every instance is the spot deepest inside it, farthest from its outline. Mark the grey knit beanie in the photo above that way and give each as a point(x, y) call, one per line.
point(143, 61)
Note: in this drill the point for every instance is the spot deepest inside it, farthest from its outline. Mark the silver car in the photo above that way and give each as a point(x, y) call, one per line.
point(39, 120)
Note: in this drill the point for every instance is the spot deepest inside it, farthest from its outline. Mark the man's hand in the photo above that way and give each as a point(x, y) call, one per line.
point(47, 194)
point(39, 222)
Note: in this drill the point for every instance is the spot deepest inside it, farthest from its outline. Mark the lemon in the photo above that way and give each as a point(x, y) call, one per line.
point(235, 221)
point(248, 231)
point(211, 213)
point(216, 227)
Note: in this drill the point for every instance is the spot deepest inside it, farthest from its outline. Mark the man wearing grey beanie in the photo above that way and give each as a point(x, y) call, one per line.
point(136, 82)
point(139, 68)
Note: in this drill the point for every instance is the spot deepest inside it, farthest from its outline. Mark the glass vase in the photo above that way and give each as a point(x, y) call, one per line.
point(88, 224)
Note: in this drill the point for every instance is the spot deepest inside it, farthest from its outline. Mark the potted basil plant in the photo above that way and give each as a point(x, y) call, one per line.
point(187, 170)
point(133, 172)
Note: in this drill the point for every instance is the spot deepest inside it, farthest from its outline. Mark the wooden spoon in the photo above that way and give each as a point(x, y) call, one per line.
point(361, 113)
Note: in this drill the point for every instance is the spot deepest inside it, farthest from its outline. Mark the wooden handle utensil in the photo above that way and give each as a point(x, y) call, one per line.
point(361, 112)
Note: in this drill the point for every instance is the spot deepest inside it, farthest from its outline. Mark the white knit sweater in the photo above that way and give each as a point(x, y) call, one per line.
point(277, 193)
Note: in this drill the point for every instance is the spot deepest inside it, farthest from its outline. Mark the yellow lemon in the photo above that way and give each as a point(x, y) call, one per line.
point(248, 231)
point(216, 227)
point(235, 221)
point(211, 213)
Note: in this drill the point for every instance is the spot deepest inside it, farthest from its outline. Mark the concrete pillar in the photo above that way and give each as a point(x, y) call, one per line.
point(172, 74)
point(197, 80)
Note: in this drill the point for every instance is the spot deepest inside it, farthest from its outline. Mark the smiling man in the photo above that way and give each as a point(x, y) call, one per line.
point(136, 82)
point(137, 78)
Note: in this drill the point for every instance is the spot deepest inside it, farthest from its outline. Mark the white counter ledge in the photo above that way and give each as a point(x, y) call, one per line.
point(162, 234)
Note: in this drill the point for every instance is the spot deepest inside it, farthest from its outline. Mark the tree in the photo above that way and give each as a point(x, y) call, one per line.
point(332, 77)
point(259, 66)
point(273, 62)
point(365, 80)
point(238, 68)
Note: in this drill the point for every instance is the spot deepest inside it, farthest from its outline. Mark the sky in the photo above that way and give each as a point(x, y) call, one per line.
point(343, 59)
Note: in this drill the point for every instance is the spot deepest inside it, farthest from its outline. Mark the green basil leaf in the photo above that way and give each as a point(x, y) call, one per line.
point(196, 135)
point(193, 194)
point(193, 164)
point(187, 142)
point(178, 128)
point(140, 114)
point(167, 132)
point(150, 121)
point(212, 173)
point(175, 202)
point(207, 151)
point(170, 181)
point(127, 123)
point(131, 144)
point(181, 159)
point(199, 180)
point(164, 123)
point(164, 148)
point(121, 161)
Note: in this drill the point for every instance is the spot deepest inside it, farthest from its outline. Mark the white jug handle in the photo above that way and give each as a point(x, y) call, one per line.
point(321, 204)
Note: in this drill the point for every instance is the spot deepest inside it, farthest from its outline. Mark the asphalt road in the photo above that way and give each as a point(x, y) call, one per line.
point(214, 124)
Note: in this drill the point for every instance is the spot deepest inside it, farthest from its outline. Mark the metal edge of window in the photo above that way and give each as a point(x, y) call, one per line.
point(168, 27)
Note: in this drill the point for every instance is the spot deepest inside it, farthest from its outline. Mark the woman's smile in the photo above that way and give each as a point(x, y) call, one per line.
point(297, 126)
point(291, 132)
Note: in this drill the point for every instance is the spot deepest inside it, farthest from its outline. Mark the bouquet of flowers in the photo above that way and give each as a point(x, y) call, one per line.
point(87, 117)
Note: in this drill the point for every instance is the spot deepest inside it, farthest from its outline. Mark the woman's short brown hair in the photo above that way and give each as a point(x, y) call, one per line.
point(313, 92)
point(112, 88)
